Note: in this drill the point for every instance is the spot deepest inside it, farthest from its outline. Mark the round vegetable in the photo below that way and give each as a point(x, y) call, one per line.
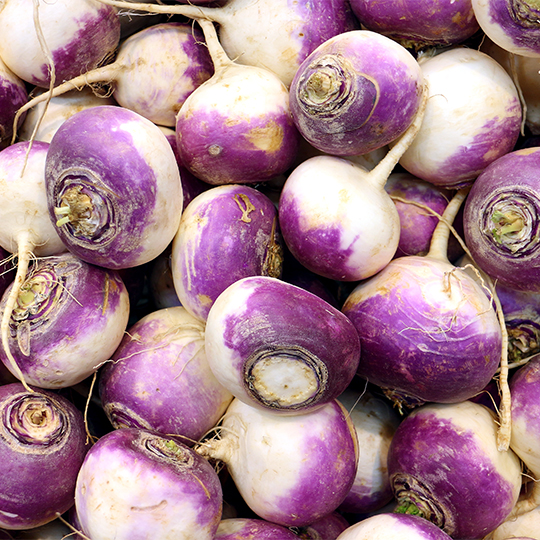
point(501, 219)
point(278, 347)
point(42, 447)
point(134, 482)
point(356, 92)
point(113, 187)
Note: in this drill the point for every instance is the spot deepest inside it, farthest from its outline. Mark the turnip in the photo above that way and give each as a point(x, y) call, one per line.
point(135, 483)
point(287, 468)
point(279, 347)
point(26, 227)
point(60, 39)
point(417, 24)
point(375, 422)
point(500, 220)
point(276, 35)
point(159, 378)
point(42, 446)
point(160, 282)
point(511, 24)
point(42, 121)
point(336, 217)
point(113, 187)
point(473, 116)
point(226, 233)
point(248, 528)
point(13, 95)
point(175, 63)
point(444, 465)
point(393, 527)
point(237, 127)
point(356, 92)
point(68, 319)
point(427, 329)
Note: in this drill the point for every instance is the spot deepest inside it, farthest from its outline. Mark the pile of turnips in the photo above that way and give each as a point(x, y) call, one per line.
point(270, 270)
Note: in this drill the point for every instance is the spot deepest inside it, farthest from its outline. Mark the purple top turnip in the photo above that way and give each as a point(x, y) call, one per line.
point(512, 24)
point(287, 468)
point(226, 233)
point(356, 92)
point(159, 378)
point(113, 187)
point(136, 483)
point(473, 116)
point(69, 318)
point(42, 447)
point(13, 95)
point(248, 528)
point(279, 347)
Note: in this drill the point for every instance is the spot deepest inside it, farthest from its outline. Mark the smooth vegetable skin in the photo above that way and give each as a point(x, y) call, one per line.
point(42, 446)
point(13, 95)
point(278, 347)
point(356, 92)
point(69, 318)
point(113, 187)
point(393, 527)
point(417, 23)
point(79, 35)
point(159, 378)
point(444, 464)
point(136, 483)
point(287, 468)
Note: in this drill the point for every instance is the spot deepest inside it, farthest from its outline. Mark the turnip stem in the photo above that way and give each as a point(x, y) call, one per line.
point(24, 250)
point(217, 53)
point(378, 176)
point(102, 74)
point(438, 248)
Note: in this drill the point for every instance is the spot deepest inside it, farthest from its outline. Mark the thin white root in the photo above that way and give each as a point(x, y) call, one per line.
point(24, 251)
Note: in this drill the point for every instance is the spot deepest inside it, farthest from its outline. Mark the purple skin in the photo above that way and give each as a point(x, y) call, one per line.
point(228, 148)
point(501, 220)
point(225, 234)
point(122, 193)
point(250, 528)
point(287, 469)
point(417, 224)
point(7, 270)
point(419, 23)
point(159, 378)
point(261, 327)
point(443, 468)
point(328, 527)
point(87, 41)
point(410, 527)
point(64, 308)
point(137, 483)
point(13, 95)
point(324, 94)
point(517, 21)
point(417, 340)
point(42, 446)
